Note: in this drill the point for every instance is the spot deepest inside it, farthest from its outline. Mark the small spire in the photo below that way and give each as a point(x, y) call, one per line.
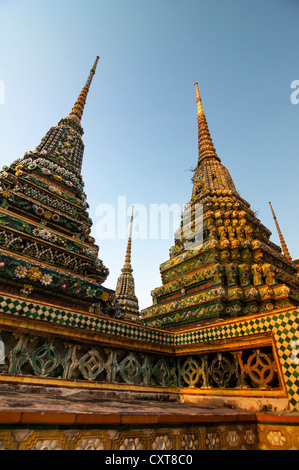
point(205, 144)
point(282, 242)
point(78, 108)
point(125, 286)
point(198, 100)
point(127, 264)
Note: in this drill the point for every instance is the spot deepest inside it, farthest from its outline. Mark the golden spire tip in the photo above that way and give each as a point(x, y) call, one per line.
point(78, 108)
point(281, 238)
point(198, 100)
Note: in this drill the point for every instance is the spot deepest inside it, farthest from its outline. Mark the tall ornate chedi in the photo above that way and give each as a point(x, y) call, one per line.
point(125, 287)
point(223, 263)
point(47, 252)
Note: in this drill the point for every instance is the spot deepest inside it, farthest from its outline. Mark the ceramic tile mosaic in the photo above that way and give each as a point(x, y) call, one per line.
point(203, 437)
point(285, 328)
point(32, 310)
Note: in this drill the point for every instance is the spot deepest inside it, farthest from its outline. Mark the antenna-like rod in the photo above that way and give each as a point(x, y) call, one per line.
point(282, 242)
point(127, 264)
point(78, 108)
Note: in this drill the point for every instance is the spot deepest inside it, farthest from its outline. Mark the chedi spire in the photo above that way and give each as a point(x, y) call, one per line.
point(222, 263)
point(125, 288)
point(63, 143)
point(281, 238)
point(47, 250)
point(78, 108)
point(205, 144)
point(210, 175)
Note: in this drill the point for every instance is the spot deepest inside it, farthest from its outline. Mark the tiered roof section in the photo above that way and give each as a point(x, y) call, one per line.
point(47, 252)
point(223, 263)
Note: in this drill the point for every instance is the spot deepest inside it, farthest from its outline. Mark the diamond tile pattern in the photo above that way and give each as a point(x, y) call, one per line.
point(87, 321)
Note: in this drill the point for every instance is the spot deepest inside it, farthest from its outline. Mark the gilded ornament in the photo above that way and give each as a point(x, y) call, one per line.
point(105, 296)
point(47, 215)
point(34, 274)
point(257, 274)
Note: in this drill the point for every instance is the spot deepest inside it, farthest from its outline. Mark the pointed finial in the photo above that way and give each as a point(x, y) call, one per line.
point(282, 242)
point(127, 264)
point(198, 100)
point(205, 144)
point(78, 108)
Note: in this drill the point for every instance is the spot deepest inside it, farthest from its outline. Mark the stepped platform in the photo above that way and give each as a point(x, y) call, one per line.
point(38, 418)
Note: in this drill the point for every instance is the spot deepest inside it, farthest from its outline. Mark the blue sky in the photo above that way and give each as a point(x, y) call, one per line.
point(140, 129)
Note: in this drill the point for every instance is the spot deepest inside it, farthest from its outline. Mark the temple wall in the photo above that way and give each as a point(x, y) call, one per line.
point(246, 362)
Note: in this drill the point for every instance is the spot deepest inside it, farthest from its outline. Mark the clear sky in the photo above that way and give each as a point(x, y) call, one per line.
point(140, 129)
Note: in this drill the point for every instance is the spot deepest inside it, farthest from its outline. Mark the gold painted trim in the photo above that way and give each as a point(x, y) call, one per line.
point(88, 385)
point(27, 380)
point(241, 392)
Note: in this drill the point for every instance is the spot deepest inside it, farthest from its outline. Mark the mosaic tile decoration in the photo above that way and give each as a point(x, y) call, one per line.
point(242, 436)
point(90, 322)
point(284, 326)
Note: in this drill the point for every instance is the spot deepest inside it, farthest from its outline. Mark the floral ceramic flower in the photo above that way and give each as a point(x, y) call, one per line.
point(55, 217)
point(19, 173)
point(46, 279)
point(37, 232)
point(47, 215)
point(90, 292)
point(46, 171)
point(34, 274)
point(27, 289)
point(21, 271)
point(105, 296)
point(45, 234)
point(3, 263)
point(53, 237)
point(6, 193)
point(63, 285)
point(69, 183)
point(38, 210)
